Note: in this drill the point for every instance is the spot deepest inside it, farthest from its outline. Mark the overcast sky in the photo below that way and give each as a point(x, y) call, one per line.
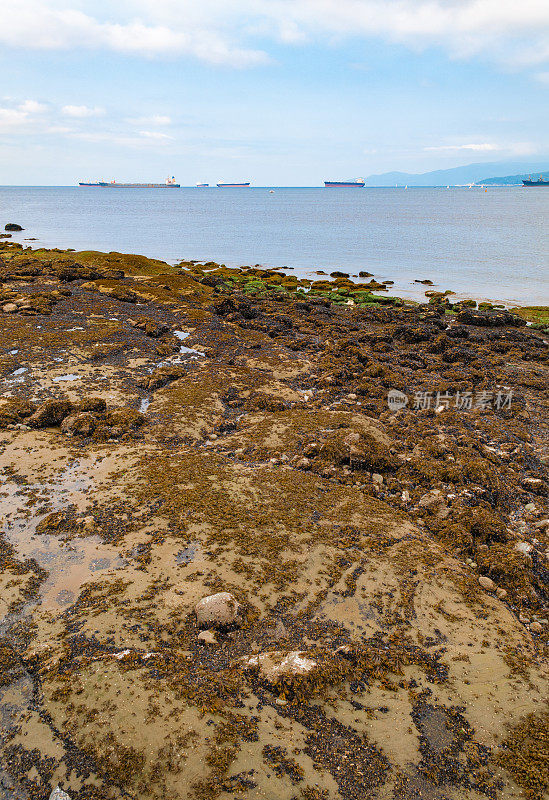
point(286, 92)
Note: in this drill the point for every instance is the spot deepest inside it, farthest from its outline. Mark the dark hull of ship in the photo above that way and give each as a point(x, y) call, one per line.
point(134, 185)
point(232, 185)
point(345, 184)
point(535, 183)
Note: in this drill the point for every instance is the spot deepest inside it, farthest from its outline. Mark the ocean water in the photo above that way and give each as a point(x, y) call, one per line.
point(490, 244)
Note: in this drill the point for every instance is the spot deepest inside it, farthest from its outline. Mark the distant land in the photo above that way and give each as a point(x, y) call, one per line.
point(512, 180)
point(471, 173)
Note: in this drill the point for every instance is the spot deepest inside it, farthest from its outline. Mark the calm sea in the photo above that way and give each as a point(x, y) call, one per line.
point(490, 244)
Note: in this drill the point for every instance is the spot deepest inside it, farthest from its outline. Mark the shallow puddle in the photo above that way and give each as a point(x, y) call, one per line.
point(188, 554)
point(70, 564)
point(69, 377)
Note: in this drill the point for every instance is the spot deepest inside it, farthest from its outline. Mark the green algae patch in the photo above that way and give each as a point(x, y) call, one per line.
point(539, 315)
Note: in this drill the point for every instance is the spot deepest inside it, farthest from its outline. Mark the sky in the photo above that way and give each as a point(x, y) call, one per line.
point(279, 92)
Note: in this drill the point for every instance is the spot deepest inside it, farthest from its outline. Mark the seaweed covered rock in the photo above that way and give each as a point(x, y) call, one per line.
point(162, 377)
point(491, 319)
point(56, 522)
point(484, 526)
point(12, 226)
point(168, 345)
point(10, 664)
point(82, 424)
point(151, 327)
point(361, 450)
point(125, 419)
point(123, 294)
point(15, 411)
point(97, 404)
point(50, 413)
point(265, 402)
point(434, 502)
point(71, 271)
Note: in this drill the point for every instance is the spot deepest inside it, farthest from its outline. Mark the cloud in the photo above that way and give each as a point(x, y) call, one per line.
point(155, 135)
point(484, 146)
point(80, 112)
point(542, 77)
point(16, 117)
point(154, 119)
point(54, 25)
point(32, 107)
point(11, 118)
point(514, 148)
point(87, 123)
point(224, 31)
point(141, 139)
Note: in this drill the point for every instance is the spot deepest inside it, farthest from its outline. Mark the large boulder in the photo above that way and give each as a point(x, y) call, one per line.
point(12, 226)
point(217, 610)
point(82, 424)
point(97, 404)
point(490, 319)
point(50, 413)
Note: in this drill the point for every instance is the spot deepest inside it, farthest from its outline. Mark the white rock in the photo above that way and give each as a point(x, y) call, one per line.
point(207, 637)
point(501, 593)
point(216, 609)
point(59, 794)
point(275, 665)
point(377, 478)
point(535, 627)
point(9, 308)
point(487, 583)
point(523, 547)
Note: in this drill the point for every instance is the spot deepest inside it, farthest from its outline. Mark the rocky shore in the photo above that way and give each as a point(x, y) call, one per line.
point(265, 537)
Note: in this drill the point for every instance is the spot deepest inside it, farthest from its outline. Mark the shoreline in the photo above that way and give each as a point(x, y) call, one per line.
point(366, 478)
point(407, 295)
point(482, 246)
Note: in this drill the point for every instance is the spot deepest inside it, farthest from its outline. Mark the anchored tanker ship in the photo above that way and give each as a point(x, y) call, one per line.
point(169, 184)
point(540, 182)
point(356, 184)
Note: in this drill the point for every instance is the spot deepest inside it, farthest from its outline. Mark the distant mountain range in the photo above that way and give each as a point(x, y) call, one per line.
point(511, 180)
point(471, 173)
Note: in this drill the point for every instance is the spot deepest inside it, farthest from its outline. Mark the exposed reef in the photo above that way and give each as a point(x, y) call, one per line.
point(268, 537)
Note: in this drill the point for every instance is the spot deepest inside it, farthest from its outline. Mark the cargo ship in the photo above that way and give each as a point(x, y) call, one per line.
point(202, 185)
point(169, 184)
point(356, 184)
point(540, 182)
point(232, 185)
